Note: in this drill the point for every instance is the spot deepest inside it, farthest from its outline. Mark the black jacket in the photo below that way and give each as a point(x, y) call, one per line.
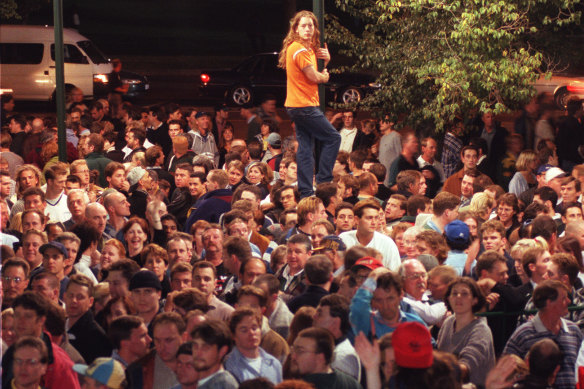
point(89, 338)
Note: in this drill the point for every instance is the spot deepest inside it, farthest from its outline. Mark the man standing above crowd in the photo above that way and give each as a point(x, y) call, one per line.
point(298, 56)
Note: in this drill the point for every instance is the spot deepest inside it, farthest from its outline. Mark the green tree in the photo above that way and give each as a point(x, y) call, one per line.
point(438, 59)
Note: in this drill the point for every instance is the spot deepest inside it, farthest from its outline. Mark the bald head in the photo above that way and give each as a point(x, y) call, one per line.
point(96, 215)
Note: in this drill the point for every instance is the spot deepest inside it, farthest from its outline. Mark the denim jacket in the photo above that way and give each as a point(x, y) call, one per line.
point(236, 364)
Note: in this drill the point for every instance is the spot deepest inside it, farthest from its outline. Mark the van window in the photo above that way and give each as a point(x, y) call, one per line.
point(21, 53)
point(92, 52)
point(71, 54)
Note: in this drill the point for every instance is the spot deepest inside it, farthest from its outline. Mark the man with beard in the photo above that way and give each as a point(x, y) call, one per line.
point(211, 342)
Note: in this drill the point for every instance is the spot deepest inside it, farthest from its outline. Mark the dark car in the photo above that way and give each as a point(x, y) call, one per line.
point(137, 83)
point(259, 75)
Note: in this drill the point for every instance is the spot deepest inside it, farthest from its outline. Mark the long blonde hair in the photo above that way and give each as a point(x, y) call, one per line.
point(292, 36)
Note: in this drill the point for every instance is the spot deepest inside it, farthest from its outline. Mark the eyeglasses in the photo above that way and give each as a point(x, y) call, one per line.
point(17, 280)
point(30, 362)
point(299, 350)
point(415, 276)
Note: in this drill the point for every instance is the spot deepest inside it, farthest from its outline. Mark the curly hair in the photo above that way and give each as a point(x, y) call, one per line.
point(292, 36)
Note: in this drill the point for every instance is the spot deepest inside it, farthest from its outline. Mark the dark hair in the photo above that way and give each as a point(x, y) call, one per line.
point(32, 301)
point(121, 328)
point(323, 339)
point(205, 265)
point(567, 265)
point(190, 299)
point(547, 290)
point(571, 245)
point(487, 260)
point(389, 281)
point(56, 319)
point(254, 291)
point(543, 358)
point(16, 262)
point(546, 193)
point(88, 234)
point(414, 203)
point(353, 254)
point(338, 307)
point(213, 332)
point(543, 226)
point(325, 191)
point(318, 269)
point(169, 318)
point(270, 280)
point(242, 312)
point(301, 239)
point(474, 289)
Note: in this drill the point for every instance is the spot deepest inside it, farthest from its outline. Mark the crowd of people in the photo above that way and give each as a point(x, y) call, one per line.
point(167, 253)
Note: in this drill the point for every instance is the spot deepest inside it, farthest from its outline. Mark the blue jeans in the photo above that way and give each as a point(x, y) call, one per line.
point(310, 125)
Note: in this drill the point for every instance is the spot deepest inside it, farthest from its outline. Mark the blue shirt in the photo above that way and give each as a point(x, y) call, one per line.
point(362, 316)
point(236, 364)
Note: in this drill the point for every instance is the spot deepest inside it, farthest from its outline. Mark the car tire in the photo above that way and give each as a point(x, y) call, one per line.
point(561, 97)
point(350, 94)
point(240, 95)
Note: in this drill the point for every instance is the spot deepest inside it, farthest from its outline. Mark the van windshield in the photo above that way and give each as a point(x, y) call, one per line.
point(93, 52)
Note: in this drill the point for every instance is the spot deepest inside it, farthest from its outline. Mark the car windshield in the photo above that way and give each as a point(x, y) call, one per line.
point(247, 66)
point(93, 52)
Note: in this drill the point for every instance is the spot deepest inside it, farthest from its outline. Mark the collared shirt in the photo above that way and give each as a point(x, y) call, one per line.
point(347, 138)
point(568, 339)
point(288, 277)
point(436, 165)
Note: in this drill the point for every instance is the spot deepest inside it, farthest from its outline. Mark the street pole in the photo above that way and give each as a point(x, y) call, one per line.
point(318, 9)
point(60, 79)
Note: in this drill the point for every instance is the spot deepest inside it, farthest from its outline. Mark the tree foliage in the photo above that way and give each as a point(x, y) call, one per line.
point(437, 59)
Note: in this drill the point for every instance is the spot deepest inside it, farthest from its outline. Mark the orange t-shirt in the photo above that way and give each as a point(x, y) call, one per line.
point(301, 92)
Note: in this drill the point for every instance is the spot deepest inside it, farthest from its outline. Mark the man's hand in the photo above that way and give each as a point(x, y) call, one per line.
point(501, 375)
point(378, 272)
point(323, 54)
point(325, 76)
point(369, 354)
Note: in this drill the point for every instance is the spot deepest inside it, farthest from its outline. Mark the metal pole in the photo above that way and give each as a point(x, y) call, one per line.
point(60, 79)
point(318, 9)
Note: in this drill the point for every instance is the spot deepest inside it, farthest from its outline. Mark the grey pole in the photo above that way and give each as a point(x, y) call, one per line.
point(318, 9)
point(60, 79)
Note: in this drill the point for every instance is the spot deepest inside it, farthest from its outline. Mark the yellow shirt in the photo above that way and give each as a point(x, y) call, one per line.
point(301, 92)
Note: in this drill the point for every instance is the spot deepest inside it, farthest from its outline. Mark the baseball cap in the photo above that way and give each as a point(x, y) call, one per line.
point(412, 344)
point(221, 107)
point(145, 279)
point(202, 113)
point(543, 168)
point(275, 140)
point(457, 231)
point(554, 172)
point(136, 175)
point(331, 242)
point(56, 245)
point(368, 262)
point(106, 371)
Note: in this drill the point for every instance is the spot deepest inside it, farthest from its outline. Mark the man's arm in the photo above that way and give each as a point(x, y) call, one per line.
point(315, 76)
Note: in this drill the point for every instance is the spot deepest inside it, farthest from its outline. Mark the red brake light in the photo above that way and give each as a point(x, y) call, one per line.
point(205, 78)
point(575, 88)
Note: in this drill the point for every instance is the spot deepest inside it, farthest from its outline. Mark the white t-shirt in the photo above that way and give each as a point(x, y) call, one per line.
point(57, 210)
point(382, 243)
point(347, 139)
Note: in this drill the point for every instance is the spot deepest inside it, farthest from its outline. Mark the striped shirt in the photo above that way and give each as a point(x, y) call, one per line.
point(568, 340)
point(450, 154)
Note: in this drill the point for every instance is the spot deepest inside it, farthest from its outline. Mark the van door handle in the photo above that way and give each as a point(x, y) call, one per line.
point(52, 67)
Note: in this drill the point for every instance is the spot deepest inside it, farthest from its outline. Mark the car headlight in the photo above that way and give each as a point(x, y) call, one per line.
point(103, 78)
point(375, 85)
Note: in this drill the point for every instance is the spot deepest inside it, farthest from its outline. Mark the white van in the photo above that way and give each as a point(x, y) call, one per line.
point(27, 63)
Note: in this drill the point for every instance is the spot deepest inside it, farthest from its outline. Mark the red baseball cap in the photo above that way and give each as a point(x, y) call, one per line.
point(368, 262)
point(412, 345)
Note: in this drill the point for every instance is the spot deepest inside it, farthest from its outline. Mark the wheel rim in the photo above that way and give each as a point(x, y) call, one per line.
point(351, 95)
point(241, 96)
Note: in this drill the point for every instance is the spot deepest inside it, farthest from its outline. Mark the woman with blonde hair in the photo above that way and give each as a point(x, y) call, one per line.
point(524, 178)
point(482, 205)
point(516, 252)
